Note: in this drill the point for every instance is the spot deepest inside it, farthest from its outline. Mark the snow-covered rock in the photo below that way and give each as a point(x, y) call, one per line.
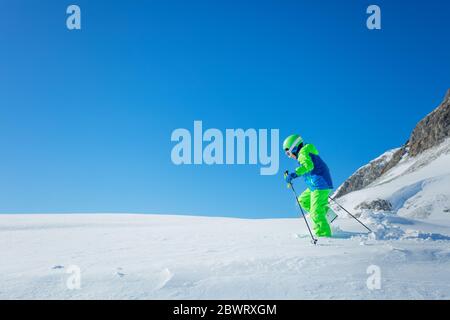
point(375, 205)
point(417, 187)
point(366, 174)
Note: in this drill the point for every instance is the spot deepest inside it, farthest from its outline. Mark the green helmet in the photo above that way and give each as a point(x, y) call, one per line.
point(294, 140)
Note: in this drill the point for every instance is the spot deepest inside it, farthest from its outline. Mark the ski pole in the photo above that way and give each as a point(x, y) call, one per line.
point(350, 214)
point(290, 185)
point(334, 218)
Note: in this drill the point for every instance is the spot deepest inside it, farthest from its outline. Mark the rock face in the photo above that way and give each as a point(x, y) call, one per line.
point(375, 205)
point(429, 132)
point(367, 174)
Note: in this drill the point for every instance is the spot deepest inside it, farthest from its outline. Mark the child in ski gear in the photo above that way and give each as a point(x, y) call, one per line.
point(317, 178)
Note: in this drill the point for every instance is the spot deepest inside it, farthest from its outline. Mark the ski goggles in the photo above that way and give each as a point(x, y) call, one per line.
point(288, 153)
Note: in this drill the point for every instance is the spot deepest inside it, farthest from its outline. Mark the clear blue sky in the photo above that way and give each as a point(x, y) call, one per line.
point(86, 116)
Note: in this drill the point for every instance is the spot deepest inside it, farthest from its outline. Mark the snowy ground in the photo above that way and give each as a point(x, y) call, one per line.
point(174, 257)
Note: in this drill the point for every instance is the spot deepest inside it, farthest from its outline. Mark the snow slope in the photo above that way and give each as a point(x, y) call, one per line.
point(417, 187)
point(125, 256)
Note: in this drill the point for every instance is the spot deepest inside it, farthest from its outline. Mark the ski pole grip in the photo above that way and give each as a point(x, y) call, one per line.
point(285, 175)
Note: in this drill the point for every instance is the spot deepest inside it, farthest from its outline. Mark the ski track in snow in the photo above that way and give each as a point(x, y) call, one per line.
point(180, 257)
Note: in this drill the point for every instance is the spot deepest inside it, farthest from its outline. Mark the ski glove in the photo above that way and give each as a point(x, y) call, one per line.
point(290, 176)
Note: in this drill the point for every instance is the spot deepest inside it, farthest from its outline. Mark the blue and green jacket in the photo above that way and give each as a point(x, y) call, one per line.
point(313, 169)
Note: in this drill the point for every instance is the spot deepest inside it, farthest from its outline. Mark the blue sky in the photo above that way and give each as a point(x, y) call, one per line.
point(86, 116)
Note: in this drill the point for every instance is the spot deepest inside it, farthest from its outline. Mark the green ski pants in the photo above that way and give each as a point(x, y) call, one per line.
point(316, 203)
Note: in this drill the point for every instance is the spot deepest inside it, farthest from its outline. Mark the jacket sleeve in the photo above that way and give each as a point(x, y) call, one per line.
point(304, 158)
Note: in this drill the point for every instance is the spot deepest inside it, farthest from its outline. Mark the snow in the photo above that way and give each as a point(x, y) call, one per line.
point(126, 256)
point(417, 187)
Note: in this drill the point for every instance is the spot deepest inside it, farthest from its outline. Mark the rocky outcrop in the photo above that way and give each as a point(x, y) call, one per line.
point(367, 174)
point(375, 205)
point(429, 132)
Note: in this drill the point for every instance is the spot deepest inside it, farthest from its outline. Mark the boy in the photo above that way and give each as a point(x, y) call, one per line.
point(317, 178)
